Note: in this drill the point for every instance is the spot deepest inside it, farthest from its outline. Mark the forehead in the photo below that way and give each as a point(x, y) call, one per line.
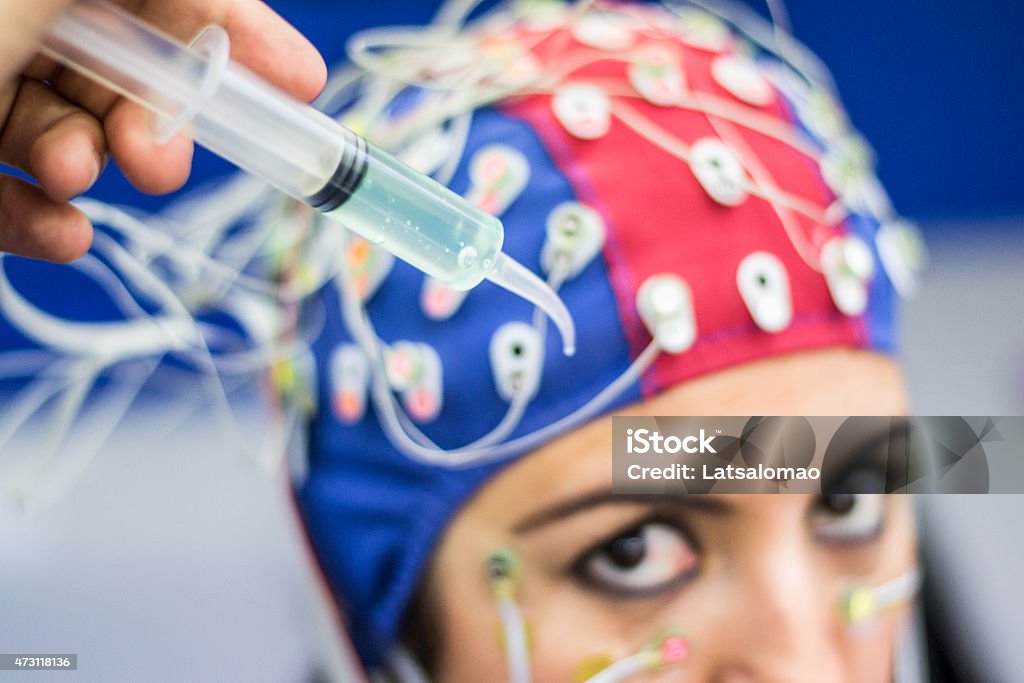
point(827, 382)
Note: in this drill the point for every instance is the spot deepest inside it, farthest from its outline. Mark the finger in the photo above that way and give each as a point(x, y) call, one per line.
point(59, 144)
point(42, 68)
point(260, 39)
point(33, 225)
point(63, 146)
point(271, 47)
point(151, 167)
point(22, 27)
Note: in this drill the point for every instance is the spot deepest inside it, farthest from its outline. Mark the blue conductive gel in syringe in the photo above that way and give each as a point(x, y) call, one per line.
point(296, 148)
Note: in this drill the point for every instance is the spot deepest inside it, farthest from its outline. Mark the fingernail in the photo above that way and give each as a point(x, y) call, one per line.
point(99, 161)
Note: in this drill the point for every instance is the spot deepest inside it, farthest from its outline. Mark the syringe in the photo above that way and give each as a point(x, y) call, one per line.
point(296, 148)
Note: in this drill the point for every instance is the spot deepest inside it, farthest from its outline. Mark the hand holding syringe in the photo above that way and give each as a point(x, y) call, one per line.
point(59, 127)
point(299, 150)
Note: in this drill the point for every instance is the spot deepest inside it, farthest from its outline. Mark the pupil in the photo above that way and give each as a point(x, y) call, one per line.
point(628, 551)
point(840, 503)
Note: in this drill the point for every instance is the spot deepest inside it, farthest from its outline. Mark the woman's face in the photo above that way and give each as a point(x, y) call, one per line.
point(753, 582)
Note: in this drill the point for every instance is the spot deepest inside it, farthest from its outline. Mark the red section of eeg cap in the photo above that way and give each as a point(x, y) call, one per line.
point(660, 219)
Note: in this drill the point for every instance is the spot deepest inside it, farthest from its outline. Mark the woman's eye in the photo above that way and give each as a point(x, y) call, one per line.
point(847, 517)
point(646, 559)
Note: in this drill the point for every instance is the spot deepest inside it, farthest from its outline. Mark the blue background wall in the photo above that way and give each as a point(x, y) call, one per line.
point(937, 86)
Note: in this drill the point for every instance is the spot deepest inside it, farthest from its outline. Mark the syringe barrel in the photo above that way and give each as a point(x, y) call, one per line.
point(314, 158)
point(419, 221)
point(296, 148)
point(240, 116)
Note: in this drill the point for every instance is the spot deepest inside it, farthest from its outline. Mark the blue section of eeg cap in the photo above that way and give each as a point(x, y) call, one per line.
point(374, 515)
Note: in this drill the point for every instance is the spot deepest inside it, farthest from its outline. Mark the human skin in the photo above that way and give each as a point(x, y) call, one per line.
point(59, 127)
point(760, 602)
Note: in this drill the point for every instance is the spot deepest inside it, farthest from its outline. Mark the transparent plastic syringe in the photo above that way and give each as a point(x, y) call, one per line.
point(296, 148)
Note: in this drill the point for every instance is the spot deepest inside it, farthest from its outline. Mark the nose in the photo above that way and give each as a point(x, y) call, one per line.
point(782, 617)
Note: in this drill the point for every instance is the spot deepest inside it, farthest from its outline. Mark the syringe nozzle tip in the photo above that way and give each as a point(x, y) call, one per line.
point(517, 279)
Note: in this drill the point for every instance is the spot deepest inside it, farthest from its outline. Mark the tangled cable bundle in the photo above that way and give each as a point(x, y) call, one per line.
point(224, 285)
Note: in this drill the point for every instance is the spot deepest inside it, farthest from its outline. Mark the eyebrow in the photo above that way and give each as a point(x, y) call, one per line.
point(588, 501)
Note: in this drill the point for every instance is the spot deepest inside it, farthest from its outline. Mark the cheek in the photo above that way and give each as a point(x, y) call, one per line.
point(574, 638)
point(573, 627)
point(870, 656)
point(471, 643)
point(569, 628)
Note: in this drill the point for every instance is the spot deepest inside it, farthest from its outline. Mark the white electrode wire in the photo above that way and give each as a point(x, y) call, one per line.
point(621, 670)
point(404, 668)
point(74, 461)
point(570, 63)
point(723, 108)
point(260, 321)
point(764, 34)
point(452, 15)
point(113, 286)
point(214, 245)
point(340, 90)
point(202, 355)
point(362, 44)
point(138, 234)
point(229, 278)
point(764, 180)
point(26, 363)
point(465, 94)
point(265, 355)
point(324, 259)
point(246, 250)
point(80, 381)
point(587, 412)
point(369, 111)
point(877, 198)
point(677, 148)
point(157, 290)
point(27, 401)
point(187, 258)
point(202, 218)
point(898, 590)
point(384, 400)
point(363, 329)
point(406, 130)
point(134, 269)
point(509, 421)
point(517, 651)
point(781, 26)
point(251, 313)
point(145, 337)
point(155, 242)
point(520, 401)
point(458, 136)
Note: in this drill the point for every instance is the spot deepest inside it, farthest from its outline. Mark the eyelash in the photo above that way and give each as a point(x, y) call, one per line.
point(871, 505)
point(579, 571)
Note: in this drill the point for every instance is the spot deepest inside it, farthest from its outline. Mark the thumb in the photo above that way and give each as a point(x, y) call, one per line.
point(23, 25)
